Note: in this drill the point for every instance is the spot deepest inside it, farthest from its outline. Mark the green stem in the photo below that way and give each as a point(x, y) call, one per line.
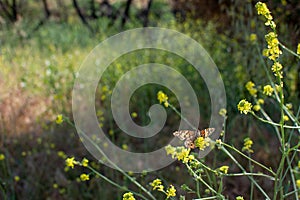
point(114, 183)
point(288, 50)
point(182, 117)
point(247, 157)
point(273, 123)
point(241, 167)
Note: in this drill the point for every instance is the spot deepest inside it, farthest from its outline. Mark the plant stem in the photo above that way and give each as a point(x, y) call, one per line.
point(247, 157)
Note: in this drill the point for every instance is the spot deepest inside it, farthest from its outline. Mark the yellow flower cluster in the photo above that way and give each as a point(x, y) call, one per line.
point(250, 87)
point(258, 103)
point(128, 196)
point(247, 145)
point(171, 191)
point(244, 106)
point(162, 98)
point(180, 153)
point(273, 50)
point(298, 49)
point(239, 198)
point(157, 185)
point(268, 90)
point(277, 69)
point(263, 10)
point(202, 143)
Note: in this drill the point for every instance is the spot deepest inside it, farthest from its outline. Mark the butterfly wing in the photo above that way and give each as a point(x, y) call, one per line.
point(206, 132)
point(187, 135)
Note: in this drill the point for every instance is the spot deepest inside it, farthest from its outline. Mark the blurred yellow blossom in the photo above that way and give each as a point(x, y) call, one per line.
point(256, 107)
point(298, 49)
point(250, 87)
point(59, 119)
point(17, 178)
point(85, 162)
point(223, 112)
point(268, 90)
point(298, 183)
point(2, 156)
point(134, 114)
point(84, 177)
point(289, 106)
point(128, 196)
point(247, 145)
point(253, 37)
point(286, 118)
point(239, 198)
point(244, 106)
point(260, 101)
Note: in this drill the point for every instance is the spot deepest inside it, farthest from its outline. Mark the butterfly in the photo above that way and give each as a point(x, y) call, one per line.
point(190, 136)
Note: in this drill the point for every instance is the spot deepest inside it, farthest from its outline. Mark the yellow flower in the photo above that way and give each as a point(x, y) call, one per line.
point(162, 97)
point(253, 37)
point(59, 119)
point(298, 49)
point(182, 153)
point(84, 177)
point(85, 162)
point(134, 114)
point(298, 183)
point(223, 112)
point(170, 150)
point(289, 106)
point(256, 107)
point(260, 101)
point(224, 169)
point(128, 196)
point(201, 143)
point(244, 106)
point(70, 162)
point(2, 156)
point(17, 178)
point(125, 146)
point(156, 184)
point(247, 145)
point(55, 185)
point(299, 164)
point(239, 198)
point(171, 191)
point(286, 118)
point(273, 46)
point(277, 67)
point(268, 90)
point(188, 158)
point(250, 87)
point(262, 9)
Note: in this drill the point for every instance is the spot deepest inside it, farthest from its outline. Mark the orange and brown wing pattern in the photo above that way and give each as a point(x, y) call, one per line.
point(206, 132)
